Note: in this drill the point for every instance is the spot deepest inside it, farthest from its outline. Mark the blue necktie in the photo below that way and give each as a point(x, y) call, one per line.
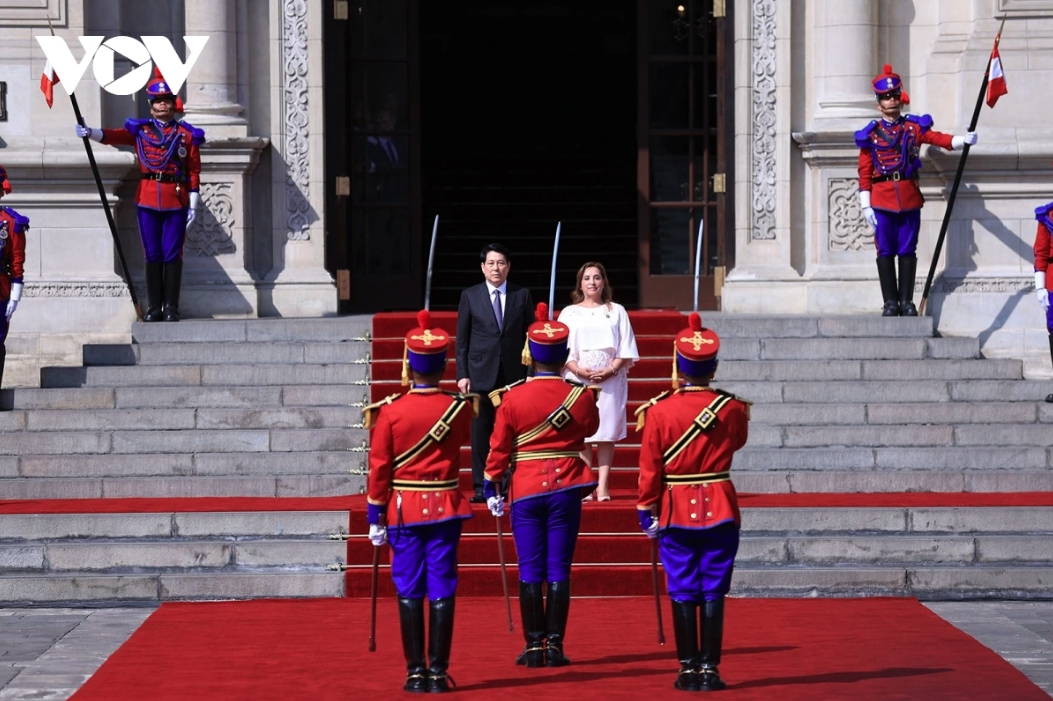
point(497, 309)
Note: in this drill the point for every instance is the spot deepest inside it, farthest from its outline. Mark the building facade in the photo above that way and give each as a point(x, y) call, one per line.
point(337, 130)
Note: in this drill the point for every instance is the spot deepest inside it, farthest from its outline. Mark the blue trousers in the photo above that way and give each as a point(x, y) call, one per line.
point(424, 559)
point(545, 529)
point(163, 233)
point(897, 232)
point(698, 562)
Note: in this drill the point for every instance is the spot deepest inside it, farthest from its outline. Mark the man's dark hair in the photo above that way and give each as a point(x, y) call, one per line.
point(496, 248)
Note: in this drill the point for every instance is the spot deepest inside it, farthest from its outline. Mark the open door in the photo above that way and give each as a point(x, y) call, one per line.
point(684, 155)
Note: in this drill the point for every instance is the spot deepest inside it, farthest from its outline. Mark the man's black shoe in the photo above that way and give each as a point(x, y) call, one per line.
point(477, 498)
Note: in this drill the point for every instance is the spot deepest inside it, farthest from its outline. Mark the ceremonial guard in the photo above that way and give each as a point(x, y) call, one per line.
point(688, 502)
point(539, 433)
point(889, 167)
point(13, 228)
point(414, 503)
point(168, 198)
point(1043, 257)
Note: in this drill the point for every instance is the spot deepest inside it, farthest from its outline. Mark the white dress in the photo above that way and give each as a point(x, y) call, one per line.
point(598, 335)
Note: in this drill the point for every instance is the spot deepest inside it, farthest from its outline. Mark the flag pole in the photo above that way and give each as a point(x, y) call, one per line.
point(957, 179)
point(105, 203)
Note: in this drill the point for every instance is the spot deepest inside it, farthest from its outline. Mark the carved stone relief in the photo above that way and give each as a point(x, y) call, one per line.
point(294, 89)
point(847, 229)
point(211, 233)
point(76, 289)
point(762, 165)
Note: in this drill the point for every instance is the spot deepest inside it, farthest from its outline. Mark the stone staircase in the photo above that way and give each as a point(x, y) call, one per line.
point(258, 408)
point(270, 408)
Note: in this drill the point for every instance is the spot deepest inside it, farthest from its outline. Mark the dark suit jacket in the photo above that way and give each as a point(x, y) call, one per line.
point(481, 347)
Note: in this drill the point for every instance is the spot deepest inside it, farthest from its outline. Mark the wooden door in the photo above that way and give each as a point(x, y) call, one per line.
point(373, 155)
point(684, 156)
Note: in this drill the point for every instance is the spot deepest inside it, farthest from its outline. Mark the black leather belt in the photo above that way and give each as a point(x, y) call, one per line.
point(163, 177)
point(894, 176)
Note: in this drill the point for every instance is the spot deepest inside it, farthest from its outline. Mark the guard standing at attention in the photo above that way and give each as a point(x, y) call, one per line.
point(539, 433)
point(688, 502)
point(13, 228)
point(168, 198)
point(414, 501)
point(889, 167)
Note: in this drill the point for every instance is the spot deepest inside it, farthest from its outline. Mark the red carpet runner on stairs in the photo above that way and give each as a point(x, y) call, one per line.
point(806, 649)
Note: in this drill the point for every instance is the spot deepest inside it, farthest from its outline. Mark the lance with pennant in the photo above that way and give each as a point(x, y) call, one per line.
point(957, 180)
point(105, 204)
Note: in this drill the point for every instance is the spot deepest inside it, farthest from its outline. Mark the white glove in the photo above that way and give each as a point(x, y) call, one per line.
point(652, 530)
point(195, 204)
point(496, 506)
point(378, 535)
point(16, 297)
point(93, 134)
point(1040, 289)
point(868, 211)
point(957, 142)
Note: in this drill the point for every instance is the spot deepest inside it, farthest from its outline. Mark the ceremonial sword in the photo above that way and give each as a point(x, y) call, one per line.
point(431, 263)
point(698, 257)
point(552, 277)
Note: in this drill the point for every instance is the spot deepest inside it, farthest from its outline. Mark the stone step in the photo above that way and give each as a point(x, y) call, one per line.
point(177, 419)
point(161, 556)
point(187, 397)
point(204, 375)
point(185, 464)
point(880, 391)
point(329, 330)
point(311, 485)
point(793, 326)
point(173, 524)
point(87, 588)
point(217, 353)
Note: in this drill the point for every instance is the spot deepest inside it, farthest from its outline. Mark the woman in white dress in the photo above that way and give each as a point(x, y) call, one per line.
point(602, 349)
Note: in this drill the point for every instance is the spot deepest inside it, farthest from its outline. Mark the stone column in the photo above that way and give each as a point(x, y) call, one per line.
point(217, 281)
point(212, 86)
point(846, 48)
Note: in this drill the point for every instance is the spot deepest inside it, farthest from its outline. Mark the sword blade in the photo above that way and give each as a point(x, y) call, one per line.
point(552, 278)
point(431, 263)
point(698, 257)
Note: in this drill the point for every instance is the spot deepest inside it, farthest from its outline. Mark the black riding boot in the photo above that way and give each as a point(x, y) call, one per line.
point(907, 269)
point(532, 611)
point(685, 628)
point(712, 636)
point(1049, 397)
point(886, 268)
point(411, 620)
point(3, 357)
point(556, 622)
point(155, 291)
point(173, 280)
point(440, 638)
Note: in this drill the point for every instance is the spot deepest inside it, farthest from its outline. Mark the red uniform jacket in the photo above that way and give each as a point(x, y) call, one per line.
point(170, 150)
point(690, 505)
point(550, 462)
point(426, 485)
point(891, 151)
point(13, 227)
point(1044, 248)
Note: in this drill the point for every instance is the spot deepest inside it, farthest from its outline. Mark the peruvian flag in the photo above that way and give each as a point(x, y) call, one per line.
point(996, 86)
point(47, 83)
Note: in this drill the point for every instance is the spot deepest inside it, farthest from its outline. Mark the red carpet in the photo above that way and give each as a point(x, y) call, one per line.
point(811, 650)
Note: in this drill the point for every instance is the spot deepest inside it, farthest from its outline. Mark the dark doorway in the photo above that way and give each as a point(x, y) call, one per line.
point(528, 118)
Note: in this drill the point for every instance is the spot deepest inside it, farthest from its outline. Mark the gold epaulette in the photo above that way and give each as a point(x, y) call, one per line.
point(746, 404)
point(466, 397)
point(369, 413)
point(495, 396)
point(641, 413)
point(596, 389)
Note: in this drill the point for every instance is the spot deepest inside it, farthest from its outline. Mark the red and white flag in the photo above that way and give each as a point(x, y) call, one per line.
point(47, 83)
point(996, 86)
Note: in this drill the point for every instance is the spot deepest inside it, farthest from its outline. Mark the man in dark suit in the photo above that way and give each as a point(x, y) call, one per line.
point(492, 321)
